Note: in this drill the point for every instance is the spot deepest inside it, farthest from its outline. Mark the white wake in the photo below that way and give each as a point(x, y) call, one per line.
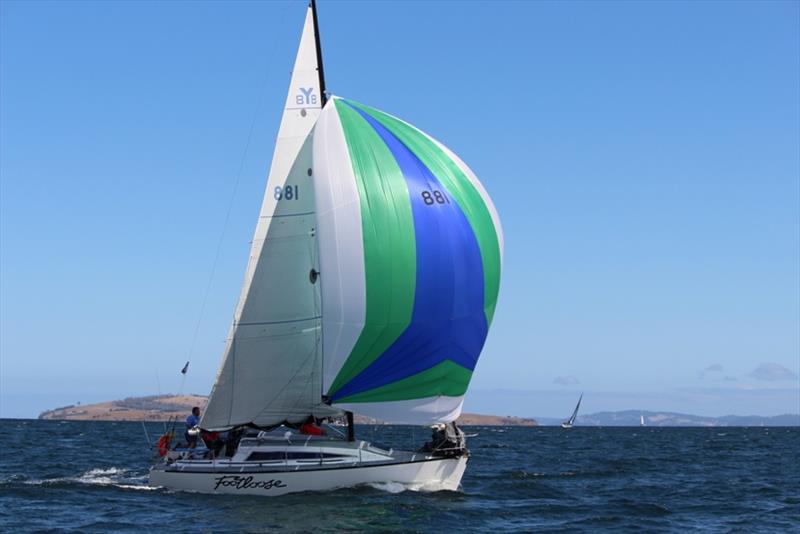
point(112, 476)
point(398, 487)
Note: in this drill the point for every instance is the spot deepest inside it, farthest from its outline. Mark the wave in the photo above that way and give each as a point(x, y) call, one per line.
point(389, 487)
point(113, 476)
point(398, 487)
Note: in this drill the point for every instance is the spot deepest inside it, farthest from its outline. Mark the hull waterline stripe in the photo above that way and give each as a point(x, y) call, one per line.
point(238, 471)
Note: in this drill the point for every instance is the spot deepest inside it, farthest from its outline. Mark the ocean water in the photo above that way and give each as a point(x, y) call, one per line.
point(91, 477)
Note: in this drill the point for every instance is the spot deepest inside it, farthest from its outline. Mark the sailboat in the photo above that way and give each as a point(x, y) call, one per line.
point(641, 420)
point(571, 421)
point(371, 284)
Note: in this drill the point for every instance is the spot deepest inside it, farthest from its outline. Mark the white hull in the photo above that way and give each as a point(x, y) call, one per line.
point(430, 474)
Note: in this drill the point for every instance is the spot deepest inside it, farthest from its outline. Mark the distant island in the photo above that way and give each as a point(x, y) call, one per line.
point(164, 407)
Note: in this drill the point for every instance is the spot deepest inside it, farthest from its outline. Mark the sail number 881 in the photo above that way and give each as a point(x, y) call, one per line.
point(290, 192)
point(434, 197)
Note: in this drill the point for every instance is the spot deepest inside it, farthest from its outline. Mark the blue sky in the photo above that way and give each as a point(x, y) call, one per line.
point(644, 159)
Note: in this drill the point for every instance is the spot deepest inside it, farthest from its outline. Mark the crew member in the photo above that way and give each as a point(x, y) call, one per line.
point(191, 422)
point(311, 428)
point(213, 442)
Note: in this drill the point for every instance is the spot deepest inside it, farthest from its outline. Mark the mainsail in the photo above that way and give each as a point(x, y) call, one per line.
point(271, 370)
point(373, 274)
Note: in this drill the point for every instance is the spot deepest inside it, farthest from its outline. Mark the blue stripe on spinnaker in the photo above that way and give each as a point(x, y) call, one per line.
point(448, 321)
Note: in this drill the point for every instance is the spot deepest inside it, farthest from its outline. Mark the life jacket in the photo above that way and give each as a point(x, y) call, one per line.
point(311, 429)
point(163, 444)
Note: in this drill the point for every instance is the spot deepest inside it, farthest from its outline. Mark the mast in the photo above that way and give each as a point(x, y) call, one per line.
point(323, 99)
point(320, 69)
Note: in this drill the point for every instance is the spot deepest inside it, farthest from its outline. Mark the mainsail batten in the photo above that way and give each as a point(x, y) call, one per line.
point(271, 369)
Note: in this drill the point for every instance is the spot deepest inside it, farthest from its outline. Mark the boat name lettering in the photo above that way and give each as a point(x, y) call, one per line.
point(240, 482)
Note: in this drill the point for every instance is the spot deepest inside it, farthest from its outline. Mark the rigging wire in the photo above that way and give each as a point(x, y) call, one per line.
point(259, 106)
point(158, 383)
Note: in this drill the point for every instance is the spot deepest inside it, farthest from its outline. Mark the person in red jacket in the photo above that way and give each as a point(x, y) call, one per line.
point(311, 428)
point(213, 441)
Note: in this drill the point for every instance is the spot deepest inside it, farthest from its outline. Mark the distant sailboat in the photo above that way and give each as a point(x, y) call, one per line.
point(571, 421)
point(641, 420)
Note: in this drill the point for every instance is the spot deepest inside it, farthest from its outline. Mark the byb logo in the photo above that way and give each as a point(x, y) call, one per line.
point(306, 98)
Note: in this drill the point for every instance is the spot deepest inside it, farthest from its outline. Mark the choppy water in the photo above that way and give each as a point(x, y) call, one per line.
point(90, 476)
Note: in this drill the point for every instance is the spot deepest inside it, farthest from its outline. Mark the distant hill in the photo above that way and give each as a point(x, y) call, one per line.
point(469, 419)
point(162, 407)
point(151, 408)
point(475, 419)
point(632, 418)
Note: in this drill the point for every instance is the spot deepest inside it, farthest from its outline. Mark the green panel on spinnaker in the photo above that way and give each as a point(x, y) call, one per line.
point(446, 378)
point(389, 244)
point(461, 189)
